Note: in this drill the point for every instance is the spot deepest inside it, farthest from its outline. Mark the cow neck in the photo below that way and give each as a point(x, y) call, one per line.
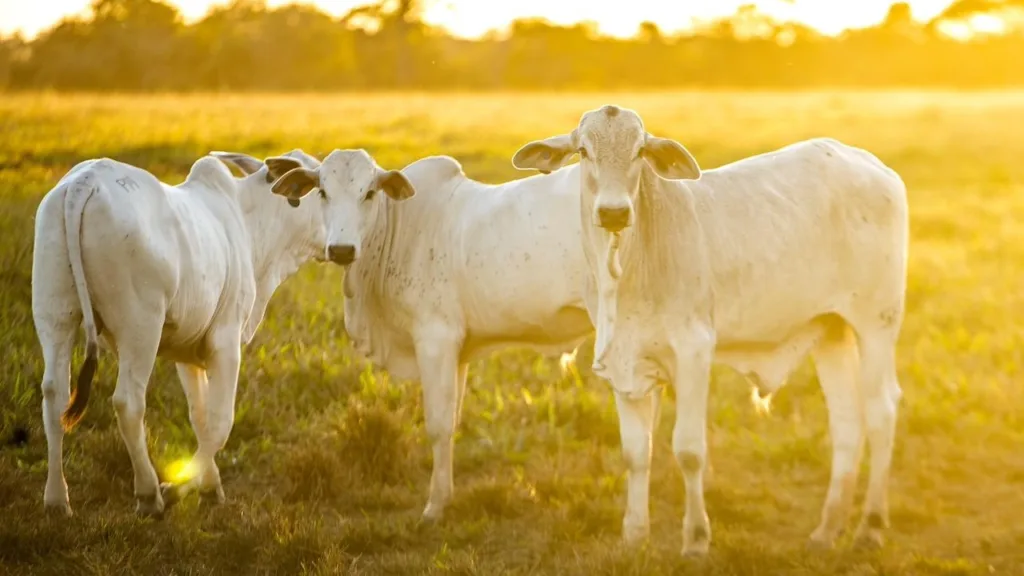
point(635, 265)
point(370, 271)
point(282, 239)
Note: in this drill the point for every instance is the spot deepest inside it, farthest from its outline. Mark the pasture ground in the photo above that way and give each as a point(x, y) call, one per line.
point(327, 467)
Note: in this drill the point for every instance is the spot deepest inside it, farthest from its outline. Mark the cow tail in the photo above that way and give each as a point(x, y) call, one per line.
point(78, 193)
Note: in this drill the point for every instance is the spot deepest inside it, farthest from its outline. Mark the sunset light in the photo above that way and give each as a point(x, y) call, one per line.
point(474, 18)
point(482, 286)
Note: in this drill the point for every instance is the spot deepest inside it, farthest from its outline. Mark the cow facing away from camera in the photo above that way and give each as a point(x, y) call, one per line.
point(455, 273)
point(755, 264)
point(185, 272)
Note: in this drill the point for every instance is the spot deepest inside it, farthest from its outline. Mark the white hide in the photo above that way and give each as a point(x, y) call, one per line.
point(458, 271)
point(184, 272)
point(755, 264)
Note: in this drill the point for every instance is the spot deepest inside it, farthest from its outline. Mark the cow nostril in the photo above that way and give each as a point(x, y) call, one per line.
point(342, 253)
point(614, 218)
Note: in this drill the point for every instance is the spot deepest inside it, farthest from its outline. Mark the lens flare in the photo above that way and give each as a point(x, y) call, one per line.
point(180, 471)
point(568, 362)
point(762, 405)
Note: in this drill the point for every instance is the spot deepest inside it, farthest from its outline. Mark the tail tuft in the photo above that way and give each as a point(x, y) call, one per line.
point(80, 397)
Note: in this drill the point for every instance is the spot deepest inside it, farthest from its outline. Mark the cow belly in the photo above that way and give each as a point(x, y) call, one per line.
point(771, 362)
point(555, 331)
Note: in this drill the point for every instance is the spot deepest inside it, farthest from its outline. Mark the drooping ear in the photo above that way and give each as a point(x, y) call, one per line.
point(546, 155)
point(247, 164)
point(278, 166)
point(395, 184)
point(307, 159)
point(295, 184)
point(670, 159)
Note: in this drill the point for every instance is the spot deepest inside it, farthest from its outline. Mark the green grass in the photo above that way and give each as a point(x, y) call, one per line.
point(327, 467)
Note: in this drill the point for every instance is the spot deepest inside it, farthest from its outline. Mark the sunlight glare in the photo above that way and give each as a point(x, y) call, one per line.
point(762, 406)
point(180, 471)
point(568, 362)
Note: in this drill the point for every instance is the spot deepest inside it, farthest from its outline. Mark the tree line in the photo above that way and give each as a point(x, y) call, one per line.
point(144, 45)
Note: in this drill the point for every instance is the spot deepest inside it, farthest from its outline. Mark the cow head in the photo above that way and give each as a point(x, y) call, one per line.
point(613, 146)
point(256, 199)
point(349, 185)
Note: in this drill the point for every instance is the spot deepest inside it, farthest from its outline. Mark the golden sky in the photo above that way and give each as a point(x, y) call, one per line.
point(471, 18)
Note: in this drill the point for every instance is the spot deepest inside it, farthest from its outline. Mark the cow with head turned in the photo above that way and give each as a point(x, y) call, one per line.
point(184, 272)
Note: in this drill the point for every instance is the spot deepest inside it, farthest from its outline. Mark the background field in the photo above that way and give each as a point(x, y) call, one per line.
point(327, 467)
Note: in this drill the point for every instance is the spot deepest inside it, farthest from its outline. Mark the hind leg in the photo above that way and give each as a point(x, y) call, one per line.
point(835, 359)
point(880, 397)
point(57, 341)
point(136, 356)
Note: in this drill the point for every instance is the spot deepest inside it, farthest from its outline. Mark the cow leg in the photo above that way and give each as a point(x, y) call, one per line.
point(222, 388)
point(462, 375)
point(689, 437)
point(136, 356)
point(438, 359)
point(880, 394)
point(194, 383)
point(57, 342)
point(636, 425)
point(835, 359)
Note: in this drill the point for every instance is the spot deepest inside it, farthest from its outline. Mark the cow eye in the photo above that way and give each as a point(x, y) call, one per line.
point(323, 195)
point(640, 152)
point(583, 153)
point(369, 195)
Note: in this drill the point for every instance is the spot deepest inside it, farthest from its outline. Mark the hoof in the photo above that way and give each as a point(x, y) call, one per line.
point(171, 493)
point(823, 538)
point(635, 535)
point(212, 497)
point(818, 543)
point(695, 551)
point(698, 543)
point(150, 506)
point(869, 533)
point(432, 515)
point(867, 540)
point(57, 509)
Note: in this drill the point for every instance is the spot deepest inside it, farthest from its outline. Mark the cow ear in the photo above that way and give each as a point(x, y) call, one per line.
point(395, 185)
point(295, 184)
point(546, 155)
point(247, 164)
point(278, 166)
point(670, 159)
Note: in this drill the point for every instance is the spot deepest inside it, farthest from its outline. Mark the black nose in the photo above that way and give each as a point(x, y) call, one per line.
point(343, 254)
point(613, 218)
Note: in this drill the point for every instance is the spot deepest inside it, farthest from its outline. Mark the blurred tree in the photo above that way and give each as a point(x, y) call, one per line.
point(649, 33)
point(244, 45)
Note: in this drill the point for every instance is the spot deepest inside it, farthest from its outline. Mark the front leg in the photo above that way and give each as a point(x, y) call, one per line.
point(437, 354)
point(636, 425)
point(689, 438)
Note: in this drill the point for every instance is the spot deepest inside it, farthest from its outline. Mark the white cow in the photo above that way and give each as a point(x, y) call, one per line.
point(183, 271)
point(756, 263)
point(456, 272)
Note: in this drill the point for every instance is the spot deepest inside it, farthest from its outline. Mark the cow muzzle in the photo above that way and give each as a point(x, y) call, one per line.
point(614, 218)
point(341, 254)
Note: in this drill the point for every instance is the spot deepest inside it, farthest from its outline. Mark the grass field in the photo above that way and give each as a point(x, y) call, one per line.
point(327, 467)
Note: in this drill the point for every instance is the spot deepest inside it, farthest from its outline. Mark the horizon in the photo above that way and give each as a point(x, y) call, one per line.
point(475, 18)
